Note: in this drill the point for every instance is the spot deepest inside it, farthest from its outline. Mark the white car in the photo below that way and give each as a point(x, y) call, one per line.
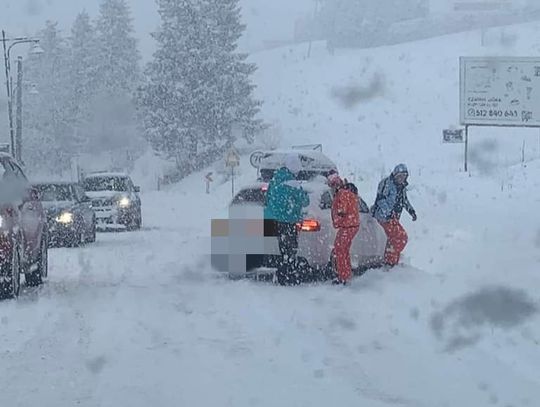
point(240, 248)
point(115, 200)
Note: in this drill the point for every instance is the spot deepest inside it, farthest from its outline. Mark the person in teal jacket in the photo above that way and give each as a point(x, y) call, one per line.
point(285, 204)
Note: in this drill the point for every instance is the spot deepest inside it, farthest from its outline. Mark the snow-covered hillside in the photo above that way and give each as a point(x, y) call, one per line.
point(374, 107)
point(140, 319)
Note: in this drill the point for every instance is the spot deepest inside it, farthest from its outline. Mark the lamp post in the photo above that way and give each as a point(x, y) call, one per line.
point(36, 50)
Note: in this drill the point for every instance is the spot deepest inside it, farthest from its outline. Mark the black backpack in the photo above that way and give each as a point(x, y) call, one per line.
point(351, 187)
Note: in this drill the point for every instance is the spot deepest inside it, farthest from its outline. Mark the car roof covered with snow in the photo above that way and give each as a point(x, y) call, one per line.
point(109, 174)
point(311, 160)
point(64, 182)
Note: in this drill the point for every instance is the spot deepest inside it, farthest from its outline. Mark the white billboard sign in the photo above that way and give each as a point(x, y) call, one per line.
point(500, 91)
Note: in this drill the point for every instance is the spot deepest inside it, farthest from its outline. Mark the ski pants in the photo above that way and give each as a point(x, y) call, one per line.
point(397, 241)
point(342, 251)
point(288, 240)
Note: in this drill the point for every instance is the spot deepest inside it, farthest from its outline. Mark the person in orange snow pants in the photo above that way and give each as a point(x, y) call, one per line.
point(346, 219)
point(391, 201)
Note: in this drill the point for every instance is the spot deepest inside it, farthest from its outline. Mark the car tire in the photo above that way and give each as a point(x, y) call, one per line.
point(93, 235)
point(11, 270)
point(135, 222)
point(79, 236)
point(139, 221)
point(36, 278)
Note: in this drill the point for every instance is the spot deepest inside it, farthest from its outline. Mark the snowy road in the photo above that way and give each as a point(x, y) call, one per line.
point(136, 320)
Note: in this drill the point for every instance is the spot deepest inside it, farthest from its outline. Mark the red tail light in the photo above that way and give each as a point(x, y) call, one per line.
point(309, 225)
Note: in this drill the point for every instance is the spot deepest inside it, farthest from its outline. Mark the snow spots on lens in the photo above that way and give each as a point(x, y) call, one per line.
point(345, 323)
point(96, 365)
point(415, 313)
point(484, 157)
point(318, 374)
point(463, 322)
point(353, 95)
point(442, 197)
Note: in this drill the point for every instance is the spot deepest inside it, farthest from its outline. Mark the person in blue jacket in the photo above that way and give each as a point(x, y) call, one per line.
point(391, 201)
point(285, 203)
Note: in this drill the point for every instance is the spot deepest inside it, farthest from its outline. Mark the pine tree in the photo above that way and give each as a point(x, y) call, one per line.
point(48, 120)
point(232, 100)
point(118, 53)
point(114, 125)
point(84, 75)
point(168, 99)
point(198, 86)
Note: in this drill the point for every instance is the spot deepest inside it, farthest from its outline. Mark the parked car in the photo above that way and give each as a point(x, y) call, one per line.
point(23, 225)
point(240, 248)
point(70, 217)
point(115, 199)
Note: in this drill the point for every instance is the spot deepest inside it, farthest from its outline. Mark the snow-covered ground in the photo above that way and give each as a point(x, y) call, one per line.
point(139, 319)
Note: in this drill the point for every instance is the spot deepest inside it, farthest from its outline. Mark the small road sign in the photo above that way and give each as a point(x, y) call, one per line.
point(209, 180)
point(232, 159)
point(256, 158)
point(453, 136)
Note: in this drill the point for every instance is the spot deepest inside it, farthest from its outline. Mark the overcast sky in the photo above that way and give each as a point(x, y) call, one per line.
point(267, 19)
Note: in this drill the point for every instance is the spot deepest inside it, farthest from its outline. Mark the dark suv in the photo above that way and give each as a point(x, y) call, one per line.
point(23, 227)
point(115, 199)
point(70, 217)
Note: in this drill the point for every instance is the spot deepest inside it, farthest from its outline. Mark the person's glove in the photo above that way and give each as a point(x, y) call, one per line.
point(414, 217)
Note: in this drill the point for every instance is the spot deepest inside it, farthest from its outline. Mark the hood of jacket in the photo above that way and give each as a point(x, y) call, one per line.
point(400, 169)
point(283, 175)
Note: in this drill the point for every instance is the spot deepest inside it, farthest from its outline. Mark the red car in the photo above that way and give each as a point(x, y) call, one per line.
point(23, 231)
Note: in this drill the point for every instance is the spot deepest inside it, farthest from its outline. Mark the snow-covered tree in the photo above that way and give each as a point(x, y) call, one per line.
point(118, 77)
point(232, 95)
point(198, 86)
point(83, 74)
point(118, 53)
point(48, 116)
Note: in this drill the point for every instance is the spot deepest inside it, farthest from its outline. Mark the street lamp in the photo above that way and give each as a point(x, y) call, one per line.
point(35, 50)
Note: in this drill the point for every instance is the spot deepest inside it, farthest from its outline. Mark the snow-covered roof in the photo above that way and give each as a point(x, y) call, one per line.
point(106, 174)
point(41, 182)
point(310, 159)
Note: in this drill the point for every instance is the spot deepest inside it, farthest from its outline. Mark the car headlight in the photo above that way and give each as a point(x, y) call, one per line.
point(1, 221)
point(124, 202)
point(65, 218)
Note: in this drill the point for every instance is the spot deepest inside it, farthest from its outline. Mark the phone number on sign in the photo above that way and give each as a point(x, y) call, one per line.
point(492, 113)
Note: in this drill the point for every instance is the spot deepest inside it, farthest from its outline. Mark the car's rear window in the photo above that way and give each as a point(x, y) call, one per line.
point(250, 196)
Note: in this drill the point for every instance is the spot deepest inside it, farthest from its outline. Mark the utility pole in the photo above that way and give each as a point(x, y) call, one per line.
point(36, 50)
point(18, 138)
point(9, 96)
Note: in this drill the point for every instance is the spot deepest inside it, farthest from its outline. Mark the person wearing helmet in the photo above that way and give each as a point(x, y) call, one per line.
point(390, 202)
point(285, 203)
point(346, 219)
